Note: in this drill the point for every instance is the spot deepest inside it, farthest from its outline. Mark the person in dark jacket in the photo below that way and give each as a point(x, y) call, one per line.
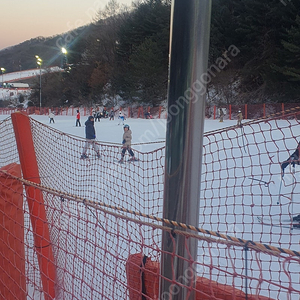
point(293, 159)
point(90, 135)
point(221, 114)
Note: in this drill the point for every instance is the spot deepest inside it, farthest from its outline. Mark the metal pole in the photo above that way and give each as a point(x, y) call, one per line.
point(40, 88)
point(189, 43)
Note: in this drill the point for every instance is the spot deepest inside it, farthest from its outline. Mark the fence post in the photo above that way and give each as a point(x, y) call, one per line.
point(42, 241)
point(229, 111)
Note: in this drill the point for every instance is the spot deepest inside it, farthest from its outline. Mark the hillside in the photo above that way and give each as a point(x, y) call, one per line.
point(22, 56)
point(125, 54)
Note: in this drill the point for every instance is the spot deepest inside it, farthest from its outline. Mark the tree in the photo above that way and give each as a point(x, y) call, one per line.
point(290, 66)
point(142, 50)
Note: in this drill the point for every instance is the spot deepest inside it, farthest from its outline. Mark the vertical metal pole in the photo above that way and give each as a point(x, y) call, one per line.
point(40, 89)
point(190, 29)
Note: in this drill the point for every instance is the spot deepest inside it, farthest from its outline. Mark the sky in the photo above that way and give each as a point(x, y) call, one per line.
point(26, 19)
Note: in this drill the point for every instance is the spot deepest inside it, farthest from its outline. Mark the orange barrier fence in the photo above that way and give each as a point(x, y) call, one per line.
point(249, 111)
point(12, 251)
point(143, 280)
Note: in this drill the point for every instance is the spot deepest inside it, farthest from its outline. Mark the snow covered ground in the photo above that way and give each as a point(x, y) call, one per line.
point(20, 76)
point(109, 131)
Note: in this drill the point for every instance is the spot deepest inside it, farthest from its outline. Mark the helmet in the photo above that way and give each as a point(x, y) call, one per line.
point(126, 126)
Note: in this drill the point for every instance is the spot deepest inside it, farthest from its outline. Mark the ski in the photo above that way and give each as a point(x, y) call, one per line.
point(90, 158)
point(278, 220)
point(269, 223)
point(126, 161)
point(134, 160)
point(243, 134)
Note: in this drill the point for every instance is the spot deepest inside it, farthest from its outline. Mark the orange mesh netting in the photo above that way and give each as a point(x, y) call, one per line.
point(100, 213)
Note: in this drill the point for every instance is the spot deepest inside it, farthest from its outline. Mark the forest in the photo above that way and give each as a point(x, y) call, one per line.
point(124, 55)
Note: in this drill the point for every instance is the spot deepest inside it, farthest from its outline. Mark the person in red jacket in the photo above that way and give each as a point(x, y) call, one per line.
point(78, 119)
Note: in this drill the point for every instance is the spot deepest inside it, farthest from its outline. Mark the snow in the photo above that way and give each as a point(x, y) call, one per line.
point(20, 76)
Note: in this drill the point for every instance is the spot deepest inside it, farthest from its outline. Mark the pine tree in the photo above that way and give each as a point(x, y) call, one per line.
point(147, 26)
point(290, 66)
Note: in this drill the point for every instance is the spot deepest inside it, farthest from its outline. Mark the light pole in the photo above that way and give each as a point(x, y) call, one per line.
point(39, 62)
point(64, 59)
point(2, 70)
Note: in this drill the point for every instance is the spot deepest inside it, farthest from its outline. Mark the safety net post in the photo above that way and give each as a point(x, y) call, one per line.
point(189, 43)
point(43, 247)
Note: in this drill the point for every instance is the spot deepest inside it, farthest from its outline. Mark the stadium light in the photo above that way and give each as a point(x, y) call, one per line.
point(2, 70)
point(39, 62)
point(64, 59)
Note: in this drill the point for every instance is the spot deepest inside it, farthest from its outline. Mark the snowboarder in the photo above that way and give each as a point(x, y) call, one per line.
point(121, 118)
point(293, 159)
point(90, 135)
point(51, 117)
point(78, 119)
point(127, 137)
point(221, 114)
point(240, 118)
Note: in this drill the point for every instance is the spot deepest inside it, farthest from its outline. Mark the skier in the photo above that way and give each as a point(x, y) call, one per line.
point(112, 115)
point(221, 114)
point(127, 137)
point(240, 118)
point(121, 118)
point(296, 219)
point(98, 116)
point(293, 159)
point(78, 119)
point(51, 117)
point(90, 136)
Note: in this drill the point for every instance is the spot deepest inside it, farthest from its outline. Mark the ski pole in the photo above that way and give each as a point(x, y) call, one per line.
point(279, 190)
point(266, 184)
point(243, 133)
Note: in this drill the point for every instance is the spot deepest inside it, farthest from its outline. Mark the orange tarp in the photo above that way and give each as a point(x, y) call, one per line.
point(12, 252)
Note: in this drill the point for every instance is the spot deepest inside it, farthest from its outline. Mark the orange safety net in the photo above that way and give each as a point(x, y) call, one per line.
point(100, 213)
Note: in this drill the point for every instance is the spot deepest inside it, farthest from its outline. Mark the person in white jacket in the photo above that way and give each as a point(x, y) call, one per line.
point(127, 137)
point(51, 117)
point(121, 118)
